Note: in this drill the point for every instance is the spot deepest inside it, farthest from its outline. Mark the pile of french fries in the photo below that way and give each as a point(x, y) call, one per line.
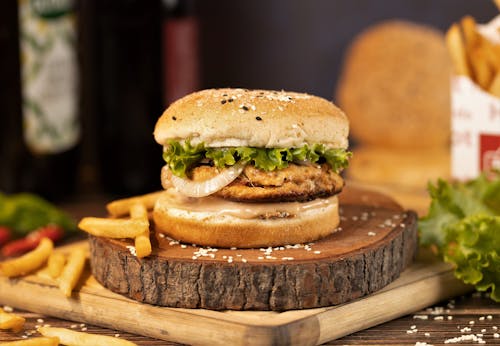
point(129, 218)
point(66, 269)
point(473, 55)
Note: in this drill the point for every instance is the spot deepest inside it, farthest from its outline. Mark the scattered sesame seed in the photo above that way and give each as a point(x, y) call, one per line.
point(7, 308)
point(420, 317)
point(183, 246)
point(132, 250)
point(467, 337)
point(84, 329)
point(427, 334)
point(40, 320)
point(450, 318)
point(260, 258)
point(82, 324)
point(73, 326)
point(317, 252)
point(117, 335)
point(234, 248)
point(174, 118)
point(489, 317)
point(471, 322)
point(258, 118)
point(481, 318)
point(244, 260)
point(46, 325)
point(24, 336)
point(413, 327)
point(494, 328)
point(422, 343)
point(483, 330)
point(496, 335)
point(438, 318)
point(223, 101)
point(371, 234)
point(287, 258)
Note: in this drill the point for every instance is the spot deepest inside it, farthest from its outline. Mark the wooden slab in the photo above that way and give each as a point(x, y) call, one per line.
point(377, 240)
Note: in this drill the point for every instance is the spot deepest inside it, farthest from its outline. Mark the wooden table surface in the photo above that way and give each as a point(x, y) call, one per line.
point(468, 320)
point(473, 318)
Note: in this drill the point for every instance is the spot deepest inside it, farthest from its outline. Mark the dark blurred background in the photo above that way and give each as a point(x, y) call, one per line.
point(135, 57)
point(299, 45)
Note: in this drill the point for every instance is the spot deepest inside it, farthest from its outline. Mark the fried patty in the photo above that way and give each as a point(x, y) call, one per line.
point(294, 183)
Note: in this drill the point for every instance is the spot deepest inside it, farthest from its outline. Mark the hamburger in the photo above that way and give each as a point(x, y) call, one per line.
point(250, 168)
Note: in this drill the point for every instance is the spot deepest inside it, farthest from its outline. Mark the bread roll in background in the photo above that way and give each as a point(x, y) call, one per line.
point(401, 172)
point(395, 88)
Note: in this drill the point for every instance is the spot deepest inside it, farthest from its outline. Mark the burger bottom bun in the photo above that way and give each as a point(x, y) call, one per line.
point(403, 168)
point(209, 228)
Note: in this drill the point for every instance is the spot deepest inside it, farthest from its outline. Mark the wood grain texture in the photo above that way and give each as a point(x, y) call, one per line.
point(378, 240)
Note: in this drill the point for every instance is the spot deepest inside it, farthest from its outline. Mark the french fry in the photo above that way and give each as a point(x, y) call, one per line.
point(72, 271)
point(471, 35)
point(121, 207)
point(491, 51)
point(55, 264)
point(483, 71)
point(113, 228)
point(456, 47)
point(11, 321)
point(73, 338)
point(138, 211)
point(37, 341)
point(495, 86)
point(29, 261)
point(142, 242)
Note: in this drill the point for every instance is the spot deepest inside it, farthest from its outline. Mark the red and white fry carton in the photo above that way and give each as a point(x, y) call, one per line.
point(475, 126)
point(475, 122)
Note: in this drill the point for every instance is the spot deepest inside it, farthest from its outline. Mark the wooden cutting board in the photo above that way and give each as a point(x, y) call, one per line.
point(425, 282)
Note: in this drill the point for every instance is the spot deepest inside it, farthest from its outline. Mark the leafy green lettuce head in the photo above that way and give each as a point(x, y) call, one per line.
point(181, 156)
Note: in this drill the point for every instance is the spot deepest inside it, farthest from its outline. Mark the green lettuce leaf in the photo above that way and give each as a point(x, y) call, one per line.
point(182, 156)
point(463, 223)
point(25, 212)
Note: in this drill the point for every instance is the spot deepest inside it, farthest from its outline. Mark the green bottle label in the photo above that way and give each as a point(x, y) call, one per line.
point(49, 73)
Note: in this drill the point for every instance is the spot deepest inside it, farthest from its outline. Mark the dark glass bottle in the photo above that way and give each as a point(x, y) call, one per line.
point(127, 88)
point(39, 121)
point(181, 69)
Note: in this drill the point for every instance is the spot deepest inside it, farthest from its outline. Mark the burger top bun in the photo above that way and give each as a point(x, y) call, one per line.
point(253, 118)
point(395, 86)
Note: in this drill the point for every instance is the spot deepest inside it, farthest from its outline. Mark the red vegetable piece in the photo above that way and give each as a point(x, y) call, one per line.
point(31, 241)
point(5, 234)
